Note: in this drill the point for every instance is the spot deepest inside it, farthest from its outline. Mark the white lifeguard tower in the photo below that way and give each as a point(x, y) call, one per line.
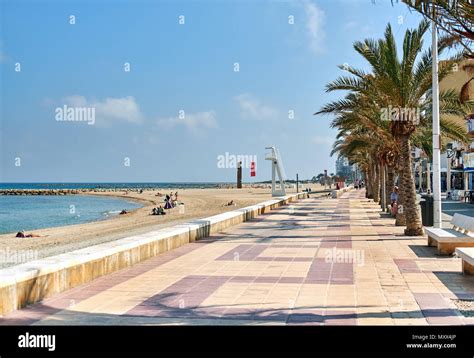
point(277, 169)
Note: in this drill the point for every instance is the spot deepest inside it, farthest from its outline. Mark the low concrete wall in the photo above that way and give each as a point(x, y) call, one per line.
point(33, 281)
point(337, 193)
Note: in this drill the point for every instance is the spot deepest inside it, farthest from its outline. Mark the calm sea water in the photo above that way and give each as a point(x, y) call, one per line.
point(35, 212)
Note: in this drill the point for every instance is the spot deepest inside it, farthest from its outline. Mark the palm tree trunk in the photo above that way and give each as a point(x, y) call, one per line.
point(383, 186)
point(368, 182)
point(364, 176)
point(389, 182)
point(410, 207)
point(400, 219)
point(376, 183)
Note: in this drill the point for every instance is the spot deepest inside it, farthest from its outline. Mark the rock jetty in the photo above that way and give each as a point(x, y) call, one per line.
point(39, 191)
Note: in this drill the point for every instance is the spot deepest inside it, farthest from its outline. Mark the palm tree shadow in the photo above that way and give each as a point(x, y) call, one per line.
point(164, 309)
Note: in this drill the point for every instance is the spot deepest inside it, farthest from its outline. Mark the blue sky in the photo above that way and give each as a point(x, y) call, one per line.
point(175, 67)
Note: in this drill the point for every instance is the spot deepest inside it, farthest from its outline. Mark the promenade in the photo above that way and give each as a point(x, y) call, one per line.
point(319, 261)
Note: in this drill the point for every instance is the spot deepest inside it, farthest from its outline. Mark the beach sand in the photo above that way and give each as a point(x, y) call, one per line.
point(199, 203)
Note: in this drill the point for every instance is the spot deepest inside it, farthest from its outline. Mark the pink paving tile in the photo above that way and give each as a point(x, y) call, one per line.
point(294, 246)
point(243, 252)
point(284, 259)
point(289, 279)
point(41, 310)
point(342, 273)
point(407, 265)
point(243, 279)
point(436, 310)
point(319, 271)
point(267, 279)
point(183, 295)
point(340, 318)
point(344, 243)
point(328, 243)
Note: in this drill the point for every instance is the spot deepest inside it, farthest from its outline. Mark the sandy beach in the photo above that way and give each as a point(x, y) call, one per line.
point(198, 203)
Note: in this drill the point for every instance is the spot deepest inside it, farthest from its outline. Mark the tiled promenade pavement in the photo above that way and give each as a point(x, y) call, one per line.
point(318, 261)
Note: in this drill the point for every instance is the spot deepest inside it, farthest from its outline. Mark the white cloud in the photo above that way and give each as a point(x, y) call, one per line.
point(195, 123)
point(252, 108)
point(326, 141)
point(110, 109)
point(314, 26)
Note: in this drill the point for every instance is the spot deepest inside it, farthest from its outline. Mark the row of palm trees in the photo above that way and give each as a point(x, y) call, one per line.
point(386, 113)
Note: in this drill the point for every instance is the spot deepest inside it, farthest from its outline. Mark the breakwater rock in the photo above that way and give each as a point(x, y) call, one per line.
point(39, 191)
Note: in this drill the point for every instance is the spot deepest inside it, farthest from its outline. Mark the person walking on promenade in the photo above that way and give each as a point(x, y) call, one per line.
point(394, 201)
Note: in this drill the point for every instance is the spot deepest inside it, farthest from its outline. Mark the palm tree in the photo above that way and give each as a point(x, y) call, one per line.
point(393, 83)
point(358, 120)
point(454, 17)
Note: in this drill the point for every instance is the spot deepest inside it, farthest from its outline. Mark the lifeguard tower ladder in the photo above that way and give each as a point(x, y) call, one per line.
point(277, 169)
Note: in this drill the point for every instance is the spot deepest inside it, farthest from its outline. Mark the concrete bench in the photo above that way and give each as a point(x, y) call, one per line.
point(446, 240)
point(467, 256)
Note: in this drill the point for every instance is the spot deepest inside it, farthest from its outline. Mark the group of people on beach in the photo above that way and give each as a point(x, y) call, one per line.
point(158, 211)
point(171, 200)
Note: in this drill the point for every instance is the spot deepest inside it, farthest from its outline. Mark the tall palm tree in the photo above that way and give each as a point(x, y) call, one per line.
point(400, 84)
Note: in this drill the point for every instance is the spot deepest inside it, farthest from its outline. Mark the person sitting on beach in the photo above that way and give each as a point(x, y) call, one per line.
point(230, 203)
point(123, 212)
point(158, 211)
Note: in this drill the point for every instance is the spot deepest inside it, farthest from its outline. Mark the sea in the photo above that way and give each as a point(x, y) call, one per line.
point(32, 212)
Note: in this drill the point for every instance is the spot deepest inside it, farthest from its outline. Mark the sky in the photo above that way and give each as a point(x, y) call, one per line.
point(175, 86)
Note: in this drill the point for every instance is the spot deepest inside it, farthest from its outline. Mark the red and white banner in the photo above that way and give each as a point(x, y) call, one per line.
point(252, 169)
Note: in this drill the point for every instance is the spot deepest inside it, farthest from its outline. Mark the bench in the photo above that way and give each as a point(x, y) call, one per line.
point(458, 195)
point(467, 256)
point(447, 240)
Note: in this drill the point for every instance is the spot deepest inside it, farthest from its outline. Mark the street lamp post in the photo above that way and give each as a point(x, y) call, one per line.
point(437, 223)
